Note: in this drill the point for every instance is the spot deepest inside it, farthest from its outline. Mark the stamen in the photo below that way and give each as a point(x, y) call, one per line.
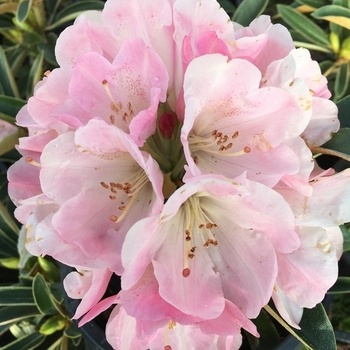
point(210, 145)
point(108, 91)
point(31, 161)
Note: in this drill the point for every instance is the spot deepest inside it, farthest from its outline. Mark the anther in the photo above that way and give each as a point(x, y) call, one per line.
point(103, 184)
point(113, 218)
point(112, 197)
point(235, 135)
point(31, 161)
point(186, 272)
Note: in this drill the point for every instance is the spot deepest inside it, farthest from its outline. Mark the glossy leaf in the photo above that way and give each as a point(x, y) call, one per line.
point(269, 337)
point(10, 106)
point(23, 10)
point(335, 14)
point(344, 111)
point(72, 331)
point(338, 145)
point(35, 73)
point(7, 224)
point(342, 80)
point(7, 80)
point(16, 295)
point(53, 324)
point(313, 3)
point(30, 341)
point(8, 247)
point(346, 237)
point(303, 25)
point(316, 329)
point(341, 286)
point(51, 271)
point(16, 313)
point(42, 296)
point(248, 10)
point(71, 11)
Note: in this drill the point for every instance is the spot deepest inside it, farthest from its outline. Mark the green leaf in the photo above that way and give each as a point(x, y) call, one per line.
point(7, 224)
point(16, 295)
point(334, 14)
point(341, 286)
point(303, 25)
point(72, 331)
point(338, 145)
point(7, 80)
point(346, 237)
point(35, 73)
point(16, 313)
point(316, 329)
point(344, 112)
point(342, 80)
point(269, 337)
point(10, 106)
point(313, 3)
point(53, 324)
point(30, 341)
point(248, 10)
point(42, 296)
point(51, 271)
point(8, 248)
point(72, 11)
point(23, 10)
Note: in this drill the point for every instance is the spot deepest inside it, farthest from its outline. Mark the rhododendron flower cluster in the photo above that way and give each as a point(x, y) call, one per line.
point(172, 147)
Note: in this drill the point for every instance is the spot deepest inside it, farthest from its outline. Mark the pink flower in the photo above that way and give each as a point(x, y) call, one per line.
point(314, 265)
point(218, 236)
point(90, 180)
point(121, 334)
point(174, 148)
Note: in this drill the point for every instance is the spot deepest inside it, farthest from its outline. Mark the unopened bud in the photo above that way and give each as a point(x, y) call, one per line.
point(167, 125)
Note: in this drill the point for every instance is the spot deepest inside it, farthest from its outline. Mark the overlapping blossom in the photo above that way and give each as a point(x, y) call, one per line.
point(172, 147)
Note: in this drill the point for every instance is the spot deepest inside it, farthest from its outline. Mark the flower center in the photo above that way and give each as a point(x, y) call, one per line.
point(218, 143)
point(198, 223)
point(117, 107)
point(130, 187)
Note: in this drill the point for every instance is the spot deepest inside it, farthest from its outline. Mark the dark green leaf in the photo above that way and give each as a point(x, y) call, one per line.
point(23, 10)
point(71, 11)
point(7, 80)
point(248, 10)
point(6, 22)
point(7, 224)
point(16, 295)
point(42, 296)
point(303, 25)
point(269, 337)
point(346, 238)
point(342, 80)
point(313, 3)
point(10, 106)
point(49, 49)
point(227, 6)
point(72, 331)
point(344, 112)
point(341, 286)
point(339, 144)
point(8, 247)
point(35, 73)
point(30, 341)
point(17, 313)
point(335, 14)
point(316, 329)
